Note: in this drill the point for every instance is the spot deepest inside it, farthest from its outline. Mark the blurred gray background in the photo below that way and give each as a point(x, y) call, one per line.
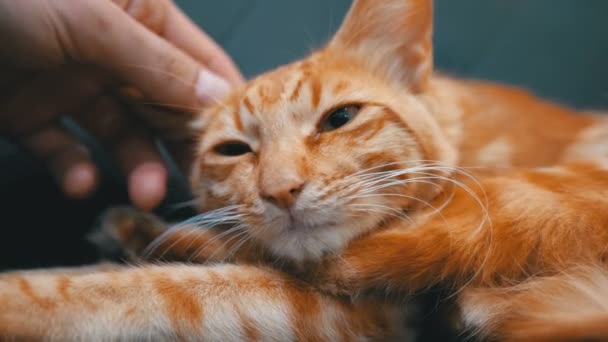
point(557, 48)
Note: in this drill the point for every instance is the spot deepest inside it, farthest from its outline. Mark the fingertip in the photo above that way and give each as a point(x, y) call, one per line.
point(210, 87)
point(225, 67)
point(148, 185)
point(80, 180)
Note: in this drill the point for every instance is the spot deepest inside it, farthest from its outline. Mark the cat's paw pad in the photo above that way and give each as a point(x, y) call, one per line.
point(125, 232)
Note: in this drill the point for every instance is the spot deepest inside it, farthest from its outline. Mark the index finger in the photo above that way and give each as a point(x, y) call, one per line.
point(169, 21)
point(142, 58)
point(182, 32)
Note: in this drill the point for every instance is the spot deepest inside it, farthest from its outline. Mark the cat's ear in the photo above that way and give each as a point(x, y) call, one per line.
point(394, 36)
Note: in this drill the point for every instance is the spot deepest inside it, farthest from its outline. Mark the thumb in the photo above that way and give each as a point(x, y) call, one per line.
point(103, 34)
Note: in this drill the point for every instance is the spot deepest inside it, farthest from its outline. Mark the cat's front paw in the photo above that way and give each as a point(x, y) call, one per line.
point(124, 232)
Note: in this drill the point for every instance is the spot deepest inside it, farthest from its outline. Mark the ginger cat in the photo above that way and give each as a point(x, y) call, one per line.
point(358, 170)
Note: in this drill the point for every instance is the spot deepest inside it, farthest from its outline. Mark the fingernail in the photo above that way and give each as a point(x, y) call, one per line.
point(211, 87)
point(147, 185)
point(80, 180)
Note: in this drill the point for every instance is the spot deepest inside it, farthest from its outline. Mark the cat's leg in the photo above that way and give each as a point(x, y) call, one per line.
point(522, 223)
point(142, 236)
point(409, 256)
point(80, 270)
point(402, 261)
point(572, 306)
point(180, 302)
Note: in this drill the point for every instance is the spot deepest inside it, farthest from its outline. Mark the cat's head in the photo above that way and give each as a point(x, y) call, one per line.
point(313, 153)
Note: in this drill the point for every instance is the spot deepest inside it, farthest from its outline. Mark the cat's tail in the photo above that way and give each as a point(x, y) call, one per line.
point(572, 306)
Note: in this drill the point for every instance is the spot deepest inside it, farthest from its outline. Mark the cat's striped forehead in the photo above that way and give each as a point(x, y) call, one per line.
point(293, 96)
point(296, 96)
point(290, 103)
point(307, 83)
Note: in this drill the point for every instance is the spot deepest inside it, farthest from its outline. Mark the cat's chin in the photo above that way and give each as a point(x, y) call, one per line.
point(305, 242)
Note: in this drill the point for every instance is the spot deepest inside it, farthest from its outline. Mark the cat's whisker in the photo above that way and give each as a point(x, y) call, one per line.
point(206, 228)
point(183, 236)
point(367, 188)
point(436, 210)
point(415, 161)
point(485, 217)
point(422, 170)
point(421, 162)
point(246, 237)
point(367, 178)
point(378, 176)
point(470, 192)
point(383, 179)
point(455, 182)
point(375, 206)
point(226, 242)
point(181, 205)
point(223, 215)
point(241, 237)
point(215, 238)
point(388, 211)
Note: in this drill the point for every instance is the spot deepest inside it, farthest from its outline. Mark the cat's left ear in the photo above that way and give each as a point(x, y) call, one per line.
point(394, 36)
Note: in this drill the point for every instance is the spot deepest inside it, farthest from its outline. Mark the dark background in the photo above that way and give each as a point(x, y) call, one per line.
point(556, 48)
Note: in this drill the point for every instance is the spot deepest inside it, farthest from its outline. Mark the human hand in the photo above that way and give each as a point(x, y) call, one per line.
point(71, 57)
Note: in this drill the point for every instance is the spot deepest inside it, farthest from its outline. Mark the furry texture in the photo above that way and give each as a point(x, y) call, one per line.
point(361, 170)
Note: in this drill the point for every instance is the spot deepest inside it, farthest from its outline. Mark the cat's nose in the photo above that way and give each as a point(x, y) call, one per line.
point(283, 195)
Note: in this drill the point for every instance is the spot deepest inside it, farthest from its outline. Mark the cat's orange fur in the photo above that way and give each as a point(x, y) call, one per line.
point(381, 203)
point(522, 252)
point(183, 303)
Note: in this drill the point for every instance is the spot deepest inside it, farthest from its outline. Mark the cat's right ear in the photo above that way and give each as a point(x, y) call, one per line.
point(393, 36)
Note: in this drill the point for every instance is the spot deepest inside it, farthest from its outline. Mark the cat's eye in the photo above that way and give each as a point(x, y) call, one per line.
point(232, 148)
point(339, 117)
